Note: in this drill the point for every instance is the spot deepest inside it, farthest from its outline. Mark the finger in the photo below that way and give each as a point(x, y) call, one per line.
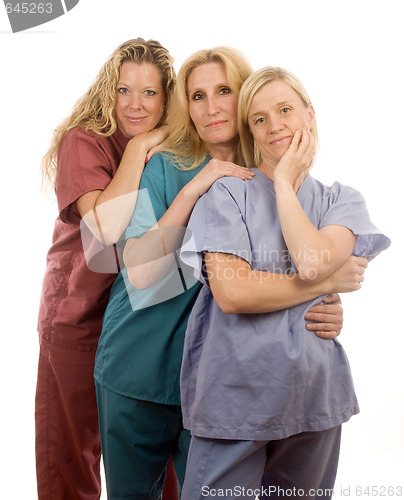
point(246, 172)
point(312, 145)
point(305, 141)
point(329, 311)
point(323, 326)
point(332, 298)
point(360, 261)
point(237, 171)
point(327, 335)
point(156, 149)
point(307, 147)
point(297, 136)
point(152, 152)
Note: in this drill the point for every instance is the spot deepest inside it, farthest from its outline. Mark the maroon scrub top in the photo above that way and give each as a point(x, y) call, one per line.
point(74, 298)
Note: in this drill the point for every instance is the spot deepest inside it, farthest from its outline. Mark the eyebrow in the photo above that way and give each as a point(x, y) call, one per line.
point(282, 103)
point(145, 87)
point(278, 104)
point(223, 84)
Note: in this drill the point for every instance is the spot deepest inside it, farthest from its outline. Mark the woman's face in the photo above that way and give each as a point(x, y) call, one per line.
point(213, 105)
point(140, 98)
point(276, 113)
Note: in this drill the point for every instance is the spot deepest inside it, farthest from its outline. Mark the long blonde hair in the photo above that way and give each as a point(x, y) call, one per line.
point(94, 111)
point(185, 143)
point(251, 86)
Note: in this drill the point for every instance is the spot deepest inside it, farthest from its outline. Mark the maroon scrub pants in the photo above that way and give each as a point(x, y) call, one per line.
point(68, 449)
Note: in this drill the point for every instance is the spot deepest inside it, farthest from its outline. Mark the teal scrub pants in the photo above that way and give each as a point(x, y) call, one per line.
point(137, 439)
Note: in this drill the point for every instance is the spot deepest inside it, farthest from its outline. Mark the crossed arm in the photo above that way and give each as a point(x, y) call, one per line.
point(322, 256)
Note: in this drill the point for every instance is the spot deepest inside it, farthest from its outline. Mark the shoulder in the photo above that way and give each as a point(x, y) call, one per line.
point(159, 162)
point(155, 169)
point(168, 165)
point(335, 192)
point(86, 139)
point(80, 141)
point(230, 188)
point(80, 134)
point(232, 185)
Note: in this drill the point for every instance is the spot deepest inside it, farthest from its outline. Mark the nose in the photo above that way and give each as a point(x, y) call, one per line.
point(212, 108)
point(135, 102)
point(275, 124)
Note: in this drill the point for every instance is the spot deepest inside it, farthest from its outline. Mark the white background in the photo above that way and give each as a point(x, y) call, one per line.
point(349, 56)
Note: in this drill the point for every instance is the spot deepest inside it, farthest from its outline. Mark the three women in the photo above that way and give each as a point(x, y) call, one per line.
point(140, 350)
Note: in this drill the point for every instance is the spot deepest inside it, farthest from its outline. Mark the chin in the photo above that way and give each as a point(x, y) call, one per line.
point(136, 131)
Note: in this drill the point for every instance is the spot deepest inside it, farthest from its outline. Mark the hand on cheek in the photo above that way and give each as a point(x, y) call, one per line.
point(297, 159)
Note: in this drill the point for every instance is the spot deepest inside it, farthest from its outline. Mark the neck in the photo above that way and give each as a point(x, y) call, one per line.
point(269, 169)
point(226, 152)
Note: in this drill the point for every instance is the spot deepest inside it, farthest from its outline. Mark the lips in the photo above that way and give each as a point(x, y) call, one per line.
point(280, 140)
point(136, 119)
point(216, 123)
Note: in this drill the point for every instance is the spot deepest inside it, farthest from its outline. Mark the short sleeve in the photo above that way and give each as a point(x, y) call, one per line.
point(151, 204)
point(217, 224)
point(83, 165)
point(347, 207)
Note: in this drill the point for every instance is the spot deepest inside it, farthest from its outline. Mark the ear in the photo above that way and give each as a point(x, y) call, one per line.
point(311, 115)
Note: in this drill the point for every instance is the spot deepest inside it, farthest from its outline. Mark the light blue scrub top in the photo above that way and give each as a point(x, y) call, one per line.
point(264, 376)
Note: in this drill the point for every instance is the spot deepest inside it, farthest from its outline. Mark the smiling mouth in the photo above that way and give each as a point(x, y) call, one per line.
point(280, 140)
point(216, 123)
point(136, 120)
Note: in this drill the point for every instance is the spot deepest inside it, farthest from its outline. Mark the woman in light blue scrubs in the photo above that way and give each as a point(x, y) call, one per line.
point(263, 398)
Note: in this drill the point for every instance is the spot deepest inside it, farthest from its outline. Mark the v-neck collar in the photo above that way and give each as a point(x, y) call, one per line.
point(302, 189)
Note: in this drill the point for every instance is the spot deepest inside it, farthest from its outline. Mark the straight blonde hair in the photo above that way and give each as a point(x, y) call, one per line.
point(251, 86)
point(184, 141)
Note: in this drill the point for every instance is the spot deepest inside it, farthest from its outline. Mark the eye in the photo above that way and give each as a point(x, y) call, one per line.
point(285, 110)
point(197, 96)
point(259, 120)
point(150, 92)
point(225, 90)
point(122, 90)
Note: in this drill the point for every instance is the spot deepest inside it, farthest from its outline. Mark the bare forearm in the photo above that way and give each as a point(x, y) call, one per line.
point(266, 292)
point(238, 289)
point(316, 253)
point(107, 213)
point(128, 175)
point(146, 257)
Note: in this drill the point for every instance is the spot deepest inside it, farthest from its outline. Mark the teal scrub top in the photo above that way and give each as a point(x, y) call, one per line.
point(140, 349)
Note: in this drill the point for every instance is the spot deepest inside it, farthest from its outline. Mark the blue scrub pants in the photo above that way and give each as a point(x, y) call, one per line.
point(300, 466)
point(137, 439)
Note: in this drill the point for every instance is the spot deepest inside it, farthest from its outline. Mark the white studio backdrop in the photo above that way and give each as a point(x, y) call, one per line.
point(348, 55)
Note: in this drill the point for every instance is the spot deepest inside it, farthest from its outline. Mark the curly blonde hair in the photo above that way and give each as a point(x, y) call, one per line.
point(94, 111)
point(185, 143)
